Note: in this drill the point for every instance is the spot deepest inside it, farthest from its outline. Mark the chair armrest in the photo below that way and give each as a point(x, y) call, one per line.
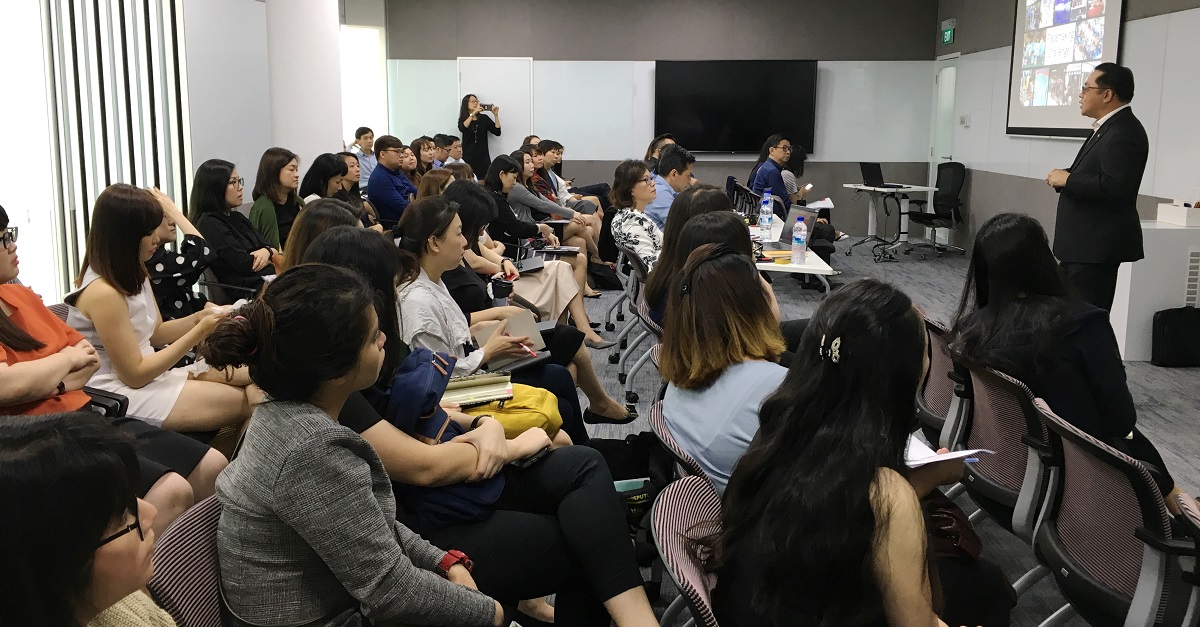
point(517, 300)
point(109, 404)
point(226, 286)
point(1043, 450)
point(1183, 547)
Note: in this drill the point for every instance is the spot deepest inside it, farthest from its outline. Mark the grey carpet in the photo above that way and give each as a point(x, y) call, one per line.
point(1167, 399)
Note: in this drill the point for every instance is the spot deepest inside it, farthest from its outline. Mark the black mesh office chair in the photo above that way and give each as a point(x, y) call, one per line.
point(946, 203)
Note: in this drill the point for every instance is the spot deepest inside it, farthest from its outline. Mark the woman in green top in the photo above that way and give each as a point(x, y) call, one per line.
point(276, 202)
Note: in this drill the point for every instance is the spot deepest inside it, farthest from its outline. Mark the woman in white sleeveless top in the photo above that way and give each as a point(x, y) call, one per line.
point(113, 307)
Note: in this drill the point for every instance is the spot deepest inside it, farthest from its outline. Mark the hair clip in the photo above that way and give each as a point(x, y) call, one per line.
point(242, 318)
point(686, 289)
point(833, 352)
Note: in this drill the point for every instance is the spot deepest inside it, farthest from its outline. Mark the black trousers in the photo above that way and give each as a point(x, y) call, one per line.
point(1095, 283)
point(559, 528)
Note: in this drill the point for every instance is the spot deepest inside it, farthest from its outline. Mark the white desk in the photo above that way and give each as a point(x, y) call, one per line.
point(813, 265)
point(1152, 284)
point(880, 193)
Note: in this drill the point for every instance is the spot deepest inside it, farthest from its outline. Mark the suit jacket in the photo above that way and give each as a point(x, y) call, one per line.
point(1097, 209)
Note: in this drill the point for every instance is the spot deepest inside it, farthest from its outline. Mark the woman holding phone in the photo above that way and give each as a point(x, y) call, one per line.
point(474, 128)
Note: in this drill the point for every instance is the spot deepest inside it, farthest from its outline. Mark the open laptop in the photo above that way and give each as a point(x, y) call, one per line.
point(785, 238)
point(872, 176)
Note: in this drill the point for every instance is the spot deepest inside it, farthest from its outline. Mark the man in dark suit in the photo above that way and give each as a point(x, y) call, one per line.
point(1098, 226)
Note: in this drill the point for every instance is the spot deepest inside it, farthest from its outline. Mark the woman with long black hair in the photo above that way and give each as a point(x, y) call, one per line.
point(475, 127)
point(243, 255)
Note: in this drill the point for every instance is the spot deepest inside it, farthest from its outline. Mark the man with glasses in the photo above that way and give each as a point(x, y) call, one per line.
point(390, 190)
point(1098, 226)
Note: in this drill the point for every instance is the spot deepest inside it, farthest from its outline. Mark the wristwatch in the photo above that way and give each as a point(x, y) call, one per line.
point(451, 558)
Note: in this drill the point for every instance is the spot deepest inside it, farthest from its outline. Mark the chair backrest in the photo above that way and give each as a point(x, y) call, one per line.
point(62, 310)
point(643, 313)
point(640, 271)
point(187, 579)
point(1088, 533)
point(746, 201)
point(731, 188)
point(938, 389)
point(214, 292)
point(658, 425)
point(947, 199)
point(244, 208)
point(687, 510)
point(1002, 415)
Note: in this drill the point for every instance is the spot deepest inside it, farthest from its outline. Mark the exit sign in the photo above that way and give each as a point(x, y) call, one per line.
point(947, 36)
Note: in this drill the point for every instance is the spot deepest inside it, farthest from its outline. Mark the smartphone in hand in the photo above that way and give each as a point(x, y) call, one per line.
point(487, 107)
point(532, 459)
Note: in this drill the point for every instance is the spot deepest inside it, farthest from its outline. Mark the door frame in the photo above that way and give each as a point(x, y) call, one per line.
point(941, 63)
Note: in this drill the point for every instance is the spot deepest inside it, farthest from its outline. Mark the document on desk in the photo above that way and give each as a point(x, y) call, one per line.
point(823, 203)
point(918, 453)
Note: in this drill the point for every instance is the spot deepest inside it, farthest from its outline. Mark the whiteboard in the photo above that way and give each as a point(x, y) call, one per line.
point(504, 81)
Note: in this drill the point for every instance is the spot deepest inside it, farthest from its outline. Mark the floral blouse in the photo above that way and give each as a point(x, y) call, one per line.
point(635, 230)
point(174, 270)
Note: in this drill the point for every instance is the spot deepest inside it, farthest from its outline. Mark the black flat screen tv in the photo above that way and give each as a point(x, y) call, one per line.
point(733, 106)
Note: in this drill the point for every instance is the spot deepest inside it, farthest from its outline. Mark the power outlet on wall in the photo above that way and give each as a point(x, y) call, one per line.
point(964, 120)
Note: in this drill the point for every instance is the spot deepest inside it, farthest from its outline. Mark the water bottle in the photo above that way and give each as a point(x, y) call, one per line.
point(799, 241)
point(766, 212)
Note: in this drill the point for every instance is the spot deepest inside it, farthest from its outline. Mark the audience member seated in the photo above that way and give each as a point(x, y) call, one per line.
point(655, 148)
point(308, 531)
point(1019, 316)
point(363, 149)
point(391, 190)
point(632, 191)
point(461, 172)
point(552, 156)
point(821, 520)
point(318, 216)
point(694, 201)
point(454, 151)
point(242, 255)
point(352, 194)
point(113, 308)
point(533, 207)
point(79, 540)
point(509, 228)
point(562, 504)
point(324, 177)
point(44, 365)
point(426, 154)
point(777, 164)
point(475, 126)
point(441, 149)
point(434, 182)
point(175, 267)
point(718, 357)
point(276, 202)
point(672, 176)
point(565, 343)
point(431, 243)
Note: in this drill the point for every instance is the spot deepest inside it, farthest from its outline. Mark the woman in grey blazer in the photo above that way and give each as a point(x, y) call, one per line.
point(308, 532)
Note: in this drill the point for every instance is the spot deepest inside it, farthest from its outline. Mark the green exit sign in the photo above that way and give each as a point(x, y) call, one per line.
point(947, 36)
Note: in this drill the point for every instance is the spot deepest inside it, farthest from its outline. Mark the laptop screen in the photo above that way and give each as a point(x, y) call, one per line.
point(872, 174)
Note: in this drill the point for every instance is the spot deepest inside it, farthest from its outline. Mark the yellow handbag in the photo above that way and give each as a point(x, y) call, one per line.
point(529, 407)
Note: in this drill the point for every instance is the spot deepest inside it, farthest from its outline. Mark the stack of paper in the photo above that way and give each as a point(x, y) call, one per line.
point(919, 454)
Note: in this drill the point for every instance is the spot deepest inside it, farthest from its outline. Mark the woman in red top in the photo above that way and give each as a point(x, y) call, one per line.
point(44, 365)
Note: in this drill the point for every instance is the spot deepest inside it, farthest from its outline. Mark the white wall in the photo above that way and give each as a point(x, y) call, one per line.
point(604, 110)
point(1154, 48)
point(228, 85)
point(304, 61)
point(364, 81)
point(25, 131)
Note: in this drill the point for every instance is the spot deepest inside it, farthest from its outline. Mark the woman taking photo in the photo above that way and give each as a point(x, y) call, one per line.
point(633, 189)
point(113, 308)
point(825, 479)
point(175, 267)
point(1018, 315)
point(308, 532)
point(718, 355)
point(475, 126)
point(276, 202)
point(242, 255)
point(44, 365)
point(560, 507)
point(81, 549)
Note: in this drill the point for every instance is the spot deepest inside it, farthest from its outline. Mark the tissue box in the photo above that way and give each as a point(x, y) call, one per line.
point(1181, 216)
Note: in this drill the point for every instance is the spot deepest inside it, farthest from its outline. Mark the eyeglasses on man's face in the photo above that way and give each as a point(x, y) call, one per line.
point(784, 147)
point(1087, 87)
point(135, 525)
point(8, 237)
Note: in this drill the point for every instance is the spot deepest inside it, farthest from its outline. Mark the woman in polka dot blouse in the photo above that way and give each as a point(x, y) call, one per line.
point(175, 267)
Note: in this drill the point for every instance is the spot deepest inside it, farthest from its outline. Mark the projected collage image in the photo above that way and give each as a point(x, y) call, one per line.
point(1064, 40)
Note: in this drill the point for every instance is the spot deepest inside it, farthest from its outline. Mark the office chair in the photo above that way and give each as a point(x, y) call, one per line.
point(686, 511)
point(946, 204)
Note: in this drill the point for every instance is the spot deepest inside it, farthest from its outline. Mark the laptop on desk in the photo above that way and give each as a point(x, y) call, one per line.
point(872, 175)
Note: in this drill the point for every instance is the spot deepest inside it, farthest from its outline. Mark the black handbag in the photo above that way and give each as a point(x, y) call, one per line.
point(1175, 339)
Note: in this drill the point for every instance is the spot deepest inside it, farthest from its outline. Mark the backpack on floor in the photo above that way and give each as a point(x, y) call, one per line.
point(1175, 338)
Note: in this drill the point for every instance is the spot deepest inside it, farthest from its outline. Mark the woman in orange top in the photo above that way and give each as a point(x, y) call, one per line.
point(44, 365)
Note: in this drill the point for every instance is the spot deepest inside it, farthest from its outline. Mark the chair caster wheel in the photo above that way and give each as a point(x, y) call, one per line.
point(848, 252)
point(908, 252)
point(621, 378)
point(608, 326)
point(631, 397)
point(614, 358)
point(620, 318)
point(624, 343)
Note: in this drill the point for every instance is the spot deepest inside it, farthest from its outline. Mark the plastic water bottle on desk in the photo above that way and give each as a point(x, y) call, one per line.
point(799, 241)
point(766, 212)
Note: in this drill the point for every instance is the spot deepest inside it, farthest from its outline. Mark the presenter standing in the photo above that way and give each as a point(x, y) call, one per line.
point(1098, 226)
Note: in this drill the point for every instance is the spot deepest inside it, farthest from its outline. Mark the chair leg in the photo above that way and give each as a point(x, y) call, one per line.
point(976, 515)
point(629, 351)
point(674, 611)
point(1061, 617)
point(1027, 581)
point(637, 365)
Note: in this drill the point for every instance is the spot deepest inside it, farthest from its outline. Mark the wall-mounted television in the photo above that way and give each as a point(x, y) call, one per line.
point(733, 106)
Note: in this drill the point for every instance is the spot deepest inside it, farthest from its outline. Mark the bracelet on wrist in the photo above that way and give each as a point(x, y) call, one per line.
point(478, 420)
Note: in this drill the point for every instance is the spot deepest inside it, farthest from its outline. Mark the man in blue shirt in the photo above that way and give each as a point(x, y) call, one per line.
point(390, 190)
point(673, 176)
point(768, 173)
point(363, 148)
